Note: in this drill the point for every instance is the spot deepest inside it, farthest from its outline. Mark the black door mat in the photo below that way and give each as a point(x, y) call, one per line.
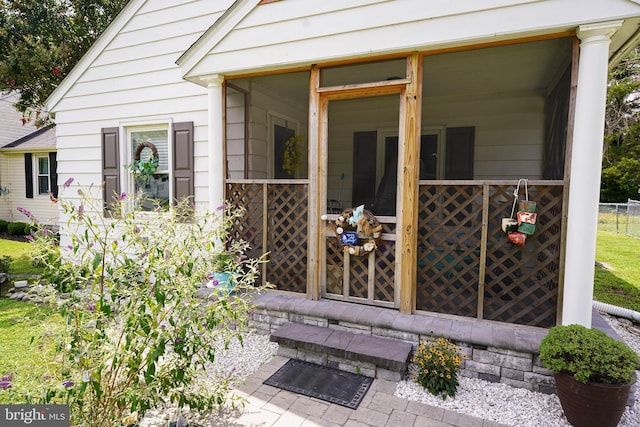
point(328, 384)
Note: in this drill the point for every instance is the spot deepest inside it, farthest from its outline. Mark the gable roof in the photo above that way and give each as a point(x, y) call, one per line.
point(215, 33)
point(42, 139)
point(90, 56)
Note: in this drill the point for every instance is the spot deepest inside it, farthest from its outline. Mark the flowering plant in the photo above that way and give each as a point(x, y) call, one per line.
point(137, 334)
point(438, 361)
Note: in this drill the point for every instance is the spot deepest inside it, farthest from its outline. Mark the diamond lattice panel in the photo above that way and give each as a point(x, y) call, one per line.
point(449, 234)
point(522, 283)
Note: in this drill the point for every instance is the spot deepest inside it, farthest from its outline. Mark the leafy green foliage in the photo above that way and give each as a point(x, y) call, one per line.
point(438, 361)
point(621, 159)
point(41, 41)
point(18, 228)
point(589, 355)
point(5, 263)
point(3, 225)
point(137, 335)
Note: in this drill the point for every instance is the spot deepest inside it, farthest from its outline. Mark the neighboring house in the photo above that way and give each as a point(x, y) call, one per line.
point(428, 112)
point(13, 188)
point(29, 178)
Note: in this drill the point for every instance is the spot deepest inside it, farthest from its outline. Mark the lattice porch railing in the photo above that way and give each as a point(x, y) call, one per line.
point(465, 269)
point(275, 222)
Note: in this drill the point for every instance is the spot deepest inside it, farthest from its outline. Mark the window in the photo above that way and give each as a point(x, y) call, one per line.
point(43, 179)
point(170, 181)
point(149, 170)
point(282, 129)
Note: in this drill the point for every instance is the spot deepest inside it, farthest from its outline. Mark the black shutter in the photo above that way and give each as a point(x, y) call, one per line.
point(183, 185)
point(28, 175)
point(110, 168)
point(364, 168)
point(53, 174)
point(459, 153)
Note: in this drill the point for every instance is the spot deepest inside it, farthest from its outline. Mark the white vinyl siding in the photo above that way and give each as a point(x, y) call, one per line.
point(134, 80)
point(299, 32)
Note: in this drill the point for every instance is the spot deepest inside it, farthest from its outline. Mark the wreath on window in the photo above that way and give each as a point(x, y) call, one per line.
point(358, 231)
point(145, 168)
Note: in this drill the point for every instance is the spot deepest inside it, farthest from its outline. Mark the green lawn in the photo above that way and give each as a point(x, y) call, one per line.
point(620, 284)
point(27, 346)
point(20, 252)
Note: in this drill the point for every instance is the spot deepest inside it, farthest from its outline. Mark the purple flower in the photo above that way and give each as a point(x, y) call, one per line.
point(209, 276)
point(5, 385)
point(91, 307)
point(80, 211)
point(221, 207)
point(29, 237)
point(67, 383)
point(25, 212)
point(214, 282)
point(136, 230)
point(178, 340)
point(123, 196)
point(69, 247)
point(7, 377)
point(67, 183)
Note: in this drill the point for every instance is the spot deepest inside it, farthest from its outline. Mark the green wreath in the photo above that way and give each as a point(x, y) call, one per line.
point(145, 168)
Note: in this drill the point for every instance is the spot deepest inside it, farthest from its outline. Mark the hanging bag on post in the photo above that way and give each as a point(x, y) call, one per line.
point(526, 213)
point(510, 224)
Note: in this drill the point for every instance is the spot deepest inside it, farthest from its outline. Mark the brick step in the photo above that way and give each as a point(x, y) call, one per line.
point(379, 357)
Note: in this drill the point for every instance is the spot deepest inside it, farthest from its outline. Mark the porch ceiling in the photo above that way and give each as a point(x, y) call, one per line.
point(469, 74)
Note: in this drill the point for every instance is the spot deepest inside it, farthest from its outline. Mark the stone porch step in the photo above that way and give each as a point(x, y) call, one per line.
point(386, 358)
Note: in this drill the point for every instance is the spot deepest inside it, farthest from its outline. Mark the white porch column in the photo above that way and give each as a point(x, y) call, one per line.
point(584, 181)
point(215, 123)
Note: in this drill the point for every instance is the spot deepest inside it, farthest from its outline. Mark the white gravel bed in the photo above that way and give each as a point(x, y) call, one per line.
point(236, 363)
point(515, 406)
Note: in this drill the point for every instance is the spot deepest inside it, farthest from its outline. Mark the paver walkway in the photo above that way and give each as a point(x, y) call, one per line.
point(270, 406)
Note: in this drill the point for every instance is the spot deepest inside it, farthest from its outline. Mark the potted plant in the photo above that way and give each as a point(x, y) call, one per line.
point(593, 373)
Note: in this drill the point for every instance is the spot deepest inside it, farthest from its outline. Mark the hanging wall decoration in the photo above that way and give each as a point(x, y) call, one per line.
point(358, 231)
point(524, 222)
point(145, 168)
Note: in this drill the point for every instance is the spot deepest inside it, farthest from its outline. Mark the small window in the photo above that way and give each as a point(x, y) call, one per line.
point(149, 167)
point(43, 175)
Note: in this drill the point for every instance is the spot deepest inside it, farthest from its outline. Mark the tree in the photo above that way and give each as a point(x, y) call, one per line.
point(42, 40)
point(621, 156)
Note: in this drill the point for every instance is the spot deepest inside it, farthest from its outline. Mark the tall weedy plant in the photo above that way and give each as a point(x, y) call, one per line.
point(137, 335)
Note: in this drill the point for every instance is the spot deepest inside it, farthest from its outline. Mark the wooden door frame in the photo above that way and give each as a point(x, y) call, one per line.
point(410, 92)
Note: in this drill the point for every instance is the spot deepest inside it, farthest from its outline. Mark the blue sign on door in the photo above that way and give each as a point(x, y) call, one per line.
point(349, 238)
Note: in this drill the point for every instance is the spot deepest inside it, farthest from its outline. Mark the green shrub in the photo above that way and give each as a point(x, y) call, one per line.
point(438, 361)
point(17, 228)
point(3, 225)
point(589, 355)
point(5, 263)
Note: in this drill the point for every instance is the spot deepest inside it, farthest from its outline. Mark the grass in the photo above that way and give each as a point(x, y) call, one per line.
point(620, 284)
point(27, 347)
point(20, 253)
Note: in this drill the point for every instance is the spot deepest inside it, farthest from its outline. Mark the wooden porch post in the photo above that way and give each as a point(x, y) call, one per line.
point(315, 187)
point(408, 175)
point(586, 162)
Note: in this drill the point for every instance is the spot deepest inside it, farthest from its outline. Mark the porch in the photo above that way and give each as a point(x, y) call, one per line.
point(464, 264)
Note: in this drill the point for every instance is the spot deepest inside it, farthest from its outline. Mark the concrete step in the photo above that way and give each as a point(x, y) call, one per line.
point(379, 357)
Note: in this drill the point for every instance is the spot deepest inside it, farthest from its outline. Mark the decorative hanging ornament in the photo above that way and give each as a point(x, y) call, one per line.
point(358, 231)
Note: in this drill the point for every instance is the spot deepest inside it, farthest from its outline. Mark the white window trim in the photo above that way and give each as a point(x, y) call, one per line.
point(37, 174)
point(126, 176)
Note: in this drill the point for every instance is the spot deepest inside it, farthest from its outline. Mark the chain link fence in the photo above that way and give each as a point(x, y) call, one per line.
point(620, 218)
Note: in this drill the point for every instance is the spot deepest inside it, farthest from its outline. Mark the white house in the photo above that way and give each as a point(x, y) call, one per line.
point(426, 111)
point(27, 166)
